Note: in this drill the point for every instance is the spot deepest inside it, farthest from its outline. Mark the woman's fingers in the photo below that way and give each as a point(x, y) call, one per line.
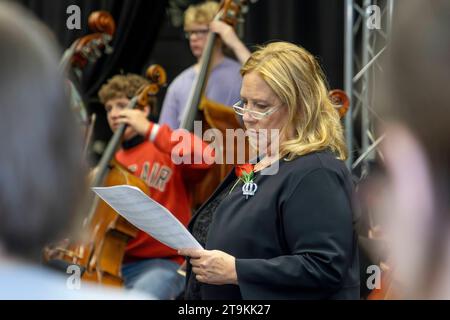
point(193, 253)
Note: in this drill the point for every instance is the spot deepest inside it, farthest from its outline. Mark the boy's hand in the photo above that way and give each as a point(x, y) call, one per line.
point(136, 119)
point(226, 32)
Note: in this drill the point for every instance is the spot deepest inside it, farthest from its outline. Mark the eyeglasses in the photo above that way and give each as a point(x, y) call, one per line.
point(199, 33)
point(240, 109)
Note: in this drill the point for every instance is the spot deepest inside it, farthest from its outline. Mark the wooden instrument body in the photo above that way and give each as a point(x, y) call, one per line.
point(217, 116)
point(105, 234)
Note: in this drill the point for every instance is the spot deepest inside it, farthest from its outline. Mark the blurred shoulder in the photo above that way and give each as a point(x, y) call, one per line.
point(29, 282)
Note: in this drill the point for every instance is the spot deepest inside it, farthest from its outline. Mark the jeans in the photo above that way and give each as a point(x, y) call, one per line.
point(157, 278)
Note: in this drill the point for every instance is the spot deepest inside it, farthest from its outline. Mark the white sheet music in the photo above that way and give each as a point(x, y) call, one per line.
point(148, 215)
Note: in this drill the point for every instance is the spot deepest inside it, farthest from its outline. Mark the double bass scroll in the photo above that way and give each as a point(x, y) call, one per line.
point(212, 114)
point(86, 49)
point(89, 48)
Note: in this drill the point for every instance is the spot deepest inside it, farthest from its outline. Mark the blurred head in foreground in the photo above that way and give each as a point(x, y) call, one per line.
point(417, 148)
point(41, 178)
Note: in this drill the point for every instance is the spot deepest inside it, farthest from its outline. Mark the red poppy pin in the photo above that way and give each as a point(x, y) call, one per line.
point(246, 174)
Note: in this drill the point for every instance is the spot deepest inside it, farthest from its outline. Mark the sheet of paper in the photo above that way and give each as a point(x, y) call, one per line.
point(148, 215)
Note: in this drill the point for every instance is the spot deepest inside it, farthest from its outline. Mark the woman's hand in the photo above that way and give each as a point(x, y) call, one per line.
point(135, 119)
point(212, 266)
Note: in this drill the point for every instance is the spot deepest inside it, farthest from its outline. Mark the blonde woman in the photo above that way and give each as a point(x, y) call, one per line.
point(292, 237)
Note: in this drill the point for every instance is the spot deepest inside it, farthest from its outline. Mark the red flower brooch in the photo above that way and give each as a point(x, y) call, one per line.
point(246, 174)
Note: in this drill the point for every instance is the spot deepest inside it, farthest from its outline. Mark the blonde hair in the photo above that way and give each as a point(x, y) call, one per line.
point(202, 13)
point(299, 82)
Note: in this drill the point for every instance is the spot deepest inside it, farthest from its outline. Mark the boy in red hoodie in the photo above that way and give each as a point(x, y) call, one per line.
point(149, 265)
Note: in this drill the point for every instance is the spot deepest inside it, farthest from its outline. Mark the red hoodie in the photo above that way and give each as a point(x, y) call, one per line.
point(151, 161)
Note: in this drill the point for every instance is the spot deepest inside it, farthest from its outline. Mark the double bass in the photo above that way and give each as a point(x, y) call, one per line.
point(212, 114)
point(87, 49)
point(101, 250)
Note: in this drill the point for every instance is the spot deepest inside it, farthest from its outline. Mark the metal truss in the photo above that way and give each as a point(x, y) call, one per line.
point(365, 43)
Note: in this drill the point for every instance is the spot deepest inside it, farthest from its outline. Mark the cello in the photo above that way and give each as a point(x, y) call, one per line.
point(101, 250)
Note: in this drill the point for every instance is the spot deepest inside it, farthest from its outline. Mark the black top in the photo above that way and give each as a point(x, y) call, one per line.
point(133, 142)
point(294, 239)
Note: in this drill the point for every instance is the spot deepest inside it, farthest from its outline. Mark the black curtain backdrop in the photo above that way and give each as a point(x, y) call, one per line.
point(137, 26)
point(317, 25)
point(145, 35)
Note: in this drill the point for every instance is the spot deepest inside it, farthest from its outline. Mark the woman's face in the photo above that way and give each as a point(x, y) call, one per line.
point(258, 96)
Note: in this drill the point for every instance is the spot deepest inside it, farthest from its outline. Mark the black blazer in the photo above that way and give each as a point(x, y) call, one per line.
point(294, 239)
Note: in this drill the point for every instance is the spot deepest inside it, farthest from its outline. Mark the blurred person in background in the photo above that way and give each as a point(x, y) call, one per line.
point(150, 266)
point(224, 80)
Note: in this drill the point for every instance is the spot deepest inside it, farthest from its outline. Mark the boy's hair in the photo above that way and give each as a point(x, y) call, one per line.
point(202, 13)
point(124, 86)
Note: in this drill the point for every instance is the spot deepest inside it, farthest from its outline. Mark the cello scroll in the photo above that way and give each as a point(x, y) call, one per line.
point(340, 101)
